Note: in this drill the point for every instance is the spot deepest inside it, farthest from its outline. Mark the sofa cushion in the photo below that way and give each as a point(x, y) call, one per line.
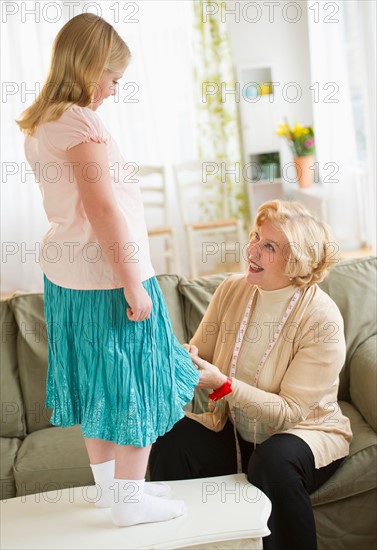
point(52, 459)
point(352, 286)
point(348, 524)
point(197, 294)
point(174, 302)
point(363, 380)
point(8, 449)
point(12, 409)
point(32, 358)
point(357, 474)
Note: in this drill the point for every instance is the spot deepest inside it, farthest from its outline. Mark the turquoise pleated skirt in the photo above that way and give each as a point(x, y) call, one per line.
point(123, 381)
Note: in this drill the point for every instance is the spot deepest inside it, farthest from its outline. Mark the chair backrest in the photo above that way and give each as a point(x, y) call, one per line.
point(152, 180)
point(202, 191)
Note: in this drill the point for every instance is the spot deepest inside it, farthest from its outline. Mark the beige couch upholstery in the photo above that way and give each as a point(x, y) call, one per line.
point(36, 456)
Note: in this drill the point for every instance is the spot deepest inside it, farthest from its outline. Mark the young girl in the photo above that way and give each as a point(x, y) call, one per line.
point(114, 365)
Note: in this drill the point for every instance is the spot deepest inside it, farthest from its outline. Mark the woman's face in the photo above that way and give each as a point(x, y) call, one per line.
point(106, 87)
point(267, 255)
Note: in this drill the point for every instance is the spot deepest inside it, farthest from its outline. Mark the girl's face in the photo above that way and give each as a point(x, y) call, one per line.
point(106, 87)
point(267, 255)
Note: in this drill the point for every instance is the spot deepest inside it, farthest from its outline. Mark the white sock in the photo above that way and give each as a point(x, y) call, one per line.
point(133, 506)
point(104, 477)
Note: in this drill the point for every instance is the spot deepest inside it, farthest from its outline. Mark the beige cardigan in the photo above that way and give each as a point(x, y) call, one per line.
point(303, 399)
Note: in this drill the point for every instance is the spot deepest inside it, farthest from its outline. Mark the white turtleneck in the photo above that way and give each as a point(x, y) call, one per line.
point(269, 308)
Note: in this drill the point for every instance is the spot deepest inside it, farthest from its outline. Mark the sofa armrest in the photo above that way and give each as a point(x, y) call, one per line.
point(363, 380)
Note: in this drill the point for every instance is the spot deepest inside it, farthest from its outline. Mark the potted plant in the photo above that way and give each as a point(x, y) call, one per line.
point(302, 144)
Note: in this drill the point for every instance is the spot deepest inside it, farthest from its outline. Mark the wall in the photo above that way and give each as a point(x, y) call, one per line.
point(275, 34)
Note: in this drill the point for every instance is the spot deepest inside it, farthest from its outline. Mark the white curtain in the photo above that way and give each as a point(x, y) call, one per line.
point(342, 48)
point(26, 45)
point(151, 118)
point(367, 59)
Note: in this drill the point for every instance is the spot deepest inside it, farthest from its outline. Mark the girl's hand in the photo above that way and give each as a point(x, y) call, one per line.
point(140, 303)
point(191, 349)
point(210, 375)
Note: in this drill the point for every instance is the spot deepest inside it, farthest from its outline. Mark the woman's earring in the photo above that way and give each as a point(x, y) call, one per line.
point(291, 278)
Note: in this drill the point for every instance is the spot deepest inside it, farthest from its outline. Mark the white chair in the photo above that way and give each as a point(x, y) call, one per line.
point(152, 181)
point(202, 215)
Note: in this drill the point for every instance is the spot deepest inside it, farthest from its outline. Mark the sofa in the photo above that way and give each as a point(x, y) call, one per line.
point(38, 457)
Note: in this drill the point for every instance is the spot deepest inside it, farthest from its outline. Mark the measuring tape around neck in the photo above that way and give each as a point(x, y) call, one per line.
point(236, 351)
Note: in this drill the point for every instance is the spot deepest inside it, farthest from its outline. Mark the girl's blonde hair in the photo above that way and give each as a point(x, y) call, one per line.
point(311, 250)
point(83, 50)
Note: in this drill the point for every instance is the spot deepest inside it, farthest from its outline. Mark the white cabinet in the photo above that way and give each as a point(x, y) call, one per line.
point(258, 110)
point(258, 127)
point(262, 191)
point(316, 199)
point(261, 146)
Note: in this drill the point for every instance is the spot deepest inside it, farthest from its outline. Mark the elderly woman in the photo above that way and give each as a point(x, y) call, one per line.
point(270, 347)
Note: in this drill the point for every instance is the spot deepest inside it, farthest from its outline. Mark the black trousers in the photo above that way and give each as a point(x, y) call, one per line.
point(282, 467)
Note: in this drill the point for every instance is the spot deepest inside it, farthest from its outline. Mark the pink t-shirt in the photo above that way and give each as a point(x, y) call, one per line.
point(70, 255)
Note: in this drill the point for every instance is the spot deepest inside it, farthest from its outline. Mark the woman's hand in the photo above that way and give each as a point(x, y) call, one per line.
point(139, 302)
point(210, 376)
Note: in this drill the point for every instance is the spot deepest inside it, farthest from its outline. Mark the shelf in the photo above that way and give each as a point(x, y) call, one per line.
point(258, 110)
point(317, 190)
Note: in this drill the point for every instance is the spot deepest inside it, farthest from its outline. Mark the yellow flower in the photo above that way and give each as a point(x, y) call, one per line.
point(283, 130)
point(298, 131)
point(300, 138)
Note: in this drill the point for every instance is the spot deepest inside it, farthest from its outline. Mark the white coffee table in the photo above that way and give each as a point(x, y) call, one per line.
point(223, 512)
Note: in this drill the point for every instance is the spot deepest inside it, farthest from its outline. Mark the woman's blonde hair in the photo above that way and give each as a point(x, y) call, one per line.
point(83, 50)
point(311, 250)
